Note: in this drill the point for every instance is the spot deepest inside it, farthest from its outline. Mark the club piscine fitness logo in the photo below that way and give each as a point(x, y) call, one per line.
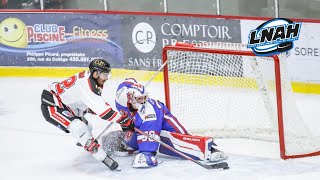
point(274, 36)
point(144, 37)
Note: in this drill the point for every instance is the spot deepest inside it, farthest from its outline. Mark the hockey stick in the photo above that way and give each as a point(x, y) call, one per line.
point(166, 62)
point(156, 73)
point(219, 165)
point(104, 130)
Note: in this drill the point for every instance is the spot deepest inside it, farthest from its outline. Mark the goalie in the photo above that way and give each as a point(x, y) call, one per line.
point(154, 118)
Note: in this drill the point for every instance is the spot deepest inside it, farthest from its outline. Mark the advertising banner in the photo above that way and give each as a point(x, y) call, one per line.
point(59, 40)
point(145, 36)
point(127, 41)
point(304, 59)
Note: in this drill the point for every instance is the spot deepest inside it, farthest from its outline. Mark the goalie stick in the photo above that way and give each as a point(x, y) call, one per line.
point(104, 130)
point(219, 165)
point(156, 73)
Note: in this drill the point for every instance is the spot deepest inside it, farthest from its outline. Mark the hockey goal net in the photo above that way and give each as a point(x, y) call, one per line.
point(225, 90)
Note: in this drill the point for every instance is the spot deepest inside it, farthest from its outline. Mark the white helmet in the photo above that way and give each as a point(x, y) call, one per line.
point(137, 96)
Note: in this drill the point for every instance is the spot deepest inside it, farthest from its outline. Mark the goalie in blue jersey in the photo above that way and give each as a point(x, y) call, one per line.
point(154, 118)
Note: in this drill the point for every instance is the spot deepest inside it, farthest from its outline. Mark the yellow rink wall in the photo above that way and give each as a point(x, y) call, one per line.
point(54, 72)
point(299, 87)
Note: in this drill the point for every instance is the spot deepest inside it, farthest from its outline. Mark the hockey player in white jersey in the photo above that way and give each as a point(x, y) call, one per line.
point(154, 118)
point(63, 104)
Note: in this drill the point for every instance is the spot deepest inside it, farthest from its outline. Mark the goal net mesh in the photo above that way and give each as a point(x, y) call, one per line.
point(234, 95)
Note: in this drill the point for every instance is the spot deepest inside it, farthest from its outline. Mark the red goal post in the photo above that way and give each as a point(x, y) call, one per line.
point(217, 77)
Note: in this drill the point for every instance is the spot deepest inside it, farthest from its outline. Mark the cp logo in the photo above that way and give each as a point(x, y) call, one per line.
point(144, 37)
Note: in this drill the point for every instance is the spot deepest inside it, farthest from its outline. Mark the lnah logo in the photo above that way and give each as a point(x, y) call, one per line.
point(274, 36)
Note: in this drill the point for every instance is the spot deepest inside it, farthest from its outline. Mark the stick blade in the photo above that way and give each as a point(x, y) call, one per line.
point(220, 165)
point(110, 163)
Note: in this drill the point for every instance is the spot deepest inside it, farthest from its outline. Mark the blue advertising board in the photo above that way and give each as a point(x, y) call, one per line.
point(59, 40)
point(128, 41)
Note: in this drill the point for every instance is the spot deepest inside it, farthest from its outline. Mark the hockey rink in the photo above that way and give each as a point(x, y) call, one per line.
point(33, 149)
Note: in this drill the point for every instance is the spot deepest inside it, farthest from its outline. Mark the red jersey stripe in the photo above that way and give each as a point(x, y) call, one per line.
point(105, 112)
point(114, 115)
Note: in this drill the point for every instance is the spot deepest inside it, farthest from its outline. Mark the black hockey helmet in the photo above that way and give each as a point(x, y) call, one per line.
point(100, 65)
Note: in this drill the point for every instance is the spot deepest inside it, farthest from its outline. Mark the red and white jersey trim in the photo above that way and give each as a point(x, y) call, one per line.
point(54, 114)
point(105, 112)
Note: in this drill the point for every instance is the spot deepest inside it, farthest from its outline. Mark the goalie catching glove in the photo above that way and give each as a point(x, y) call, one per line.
point(125, 122)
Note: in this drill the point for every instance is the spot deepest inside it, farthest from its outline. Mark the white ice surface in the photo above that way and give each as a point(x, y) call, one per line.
point(32, 149)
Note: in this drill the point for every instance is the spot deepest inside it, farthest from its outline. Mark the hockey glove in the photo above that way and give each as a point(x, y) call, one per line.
point(126, 122)
point(92, 145)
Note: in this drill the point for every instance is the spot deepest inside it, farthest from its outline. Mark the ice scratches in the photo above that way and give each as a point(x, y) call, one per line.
point(31, 131)
point(4, 111)
point(5, 108)
point(86, 163)
point(264, 167)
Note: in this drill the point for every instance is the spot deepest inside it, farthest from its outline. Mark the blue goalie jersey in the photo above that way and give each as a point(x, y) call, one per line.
point(151, 119)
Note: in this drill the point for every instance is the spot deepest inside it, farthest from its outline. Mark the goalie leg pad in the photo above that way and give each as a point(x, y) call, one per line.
point(145, 160)
point(197, 147)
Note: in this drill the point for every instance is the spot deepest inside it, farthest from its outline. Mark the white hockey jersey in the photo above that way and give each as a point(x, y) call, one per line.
point(80, 92)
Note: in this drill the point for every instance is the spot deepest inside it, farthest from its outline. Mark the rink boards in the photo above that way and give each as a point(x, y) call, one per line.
point(299, 87)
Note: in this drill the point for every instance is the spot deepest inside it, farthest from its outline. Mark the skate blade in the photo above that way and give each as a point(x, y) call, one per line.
point(214, 162)
point(219, 160)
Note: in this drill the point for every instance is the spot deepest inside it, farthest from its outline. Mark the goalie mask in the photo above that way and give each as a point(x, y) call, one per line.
point(137, 96)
